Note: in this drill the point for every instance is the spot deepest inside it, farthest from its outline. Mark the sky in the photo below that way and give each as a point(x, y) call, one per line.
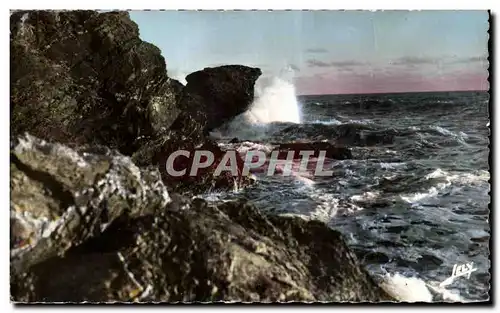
point(331, 52)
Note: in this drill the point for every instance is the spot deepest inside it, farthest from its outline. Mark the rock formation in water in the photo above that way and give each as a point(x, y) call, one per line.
point(95, 227)
point(353, 134)
point(93, 218)
point(218, 94)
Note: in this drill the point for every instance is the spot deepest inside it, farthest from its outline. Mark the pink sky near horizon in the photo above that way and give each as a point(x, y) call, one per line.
point(351, 83)
point(331, 52)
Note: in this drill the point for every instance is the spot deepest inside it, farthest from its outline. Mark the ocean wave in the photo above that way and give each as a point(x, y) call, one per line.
point(326, 122)
point(418, 196)
point(366, 196)
point(460, 136)
point(361, 121)
point(462, 178)
point(474, 178)
point(408, 289)
point(275, 101)
point(393, 165)
point(246, 146)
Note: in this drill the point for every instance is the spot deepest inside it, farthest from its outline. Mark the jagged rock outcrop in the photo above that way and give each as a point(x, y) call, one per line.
point(86, 77)
point(215, 95)
point(94, 227)
point(61, 197)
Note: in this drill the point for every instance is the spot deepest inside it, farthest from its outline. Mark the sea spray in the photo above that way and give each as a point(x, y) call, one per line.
point(274, 102)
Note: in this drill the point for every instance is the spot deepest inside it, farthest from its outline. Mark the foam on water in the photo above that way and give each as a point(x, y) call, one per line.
point(327, 122)
point(463, 178)
point(274, 102)
point(416, 197)
point(414, 289)
point(460, 136)
point(392, 165)
point(474, 178)
point(366, 196)
point(407, 289)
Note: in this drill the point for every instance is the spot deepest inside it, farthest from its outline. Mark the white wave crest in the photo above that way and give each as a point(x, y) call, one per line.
point(274, 102)
point(327, 122)
point(406, 289)
point(474, 178)
point(366, 196)
point(463, 178)
point(460, 136)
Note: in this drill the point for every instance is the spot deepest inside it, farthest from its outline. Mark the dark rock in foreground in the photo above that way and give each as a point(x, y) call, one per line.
point(87, 77)
point(97, 228)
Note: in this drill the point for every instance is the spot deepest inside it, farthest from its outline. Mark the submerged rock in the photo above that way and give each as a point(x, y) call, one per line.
point(104, 230)
point(331, 151)
point(349, 135)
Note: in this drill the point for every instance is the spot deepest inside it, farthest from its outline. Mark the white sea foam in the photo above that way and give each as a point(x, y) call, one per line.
point(366, 196)
point(361, 122)
point(393, 165)
point(248, 146)
point(462, 178)
point(478, 177)
point(327, 122)
point(460, 136)
point(436, 174)
point(274, 102)
point(432, 192)
point(406, 289)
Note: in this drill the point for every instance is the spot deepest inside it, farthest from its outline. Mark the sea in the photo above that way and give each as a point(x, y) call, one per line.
point(412, 203)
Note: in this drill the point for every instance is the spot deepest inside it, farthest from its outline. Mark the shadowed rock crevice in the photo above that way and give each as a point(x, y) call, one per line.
point(44, 178)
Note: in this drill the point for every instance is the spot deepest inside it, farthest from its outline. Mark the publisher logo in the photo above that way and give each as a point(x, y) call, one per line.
point(458, 271)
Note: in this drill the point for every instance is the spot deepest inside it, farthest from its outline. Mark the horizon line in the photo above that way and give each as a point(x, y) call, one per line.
point(391, 92)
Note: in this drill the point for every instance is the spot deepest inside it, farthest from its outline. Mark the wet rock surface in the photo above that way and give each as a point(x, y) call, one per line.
point(86, 77)
point(105, 230)
point(221, 93)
